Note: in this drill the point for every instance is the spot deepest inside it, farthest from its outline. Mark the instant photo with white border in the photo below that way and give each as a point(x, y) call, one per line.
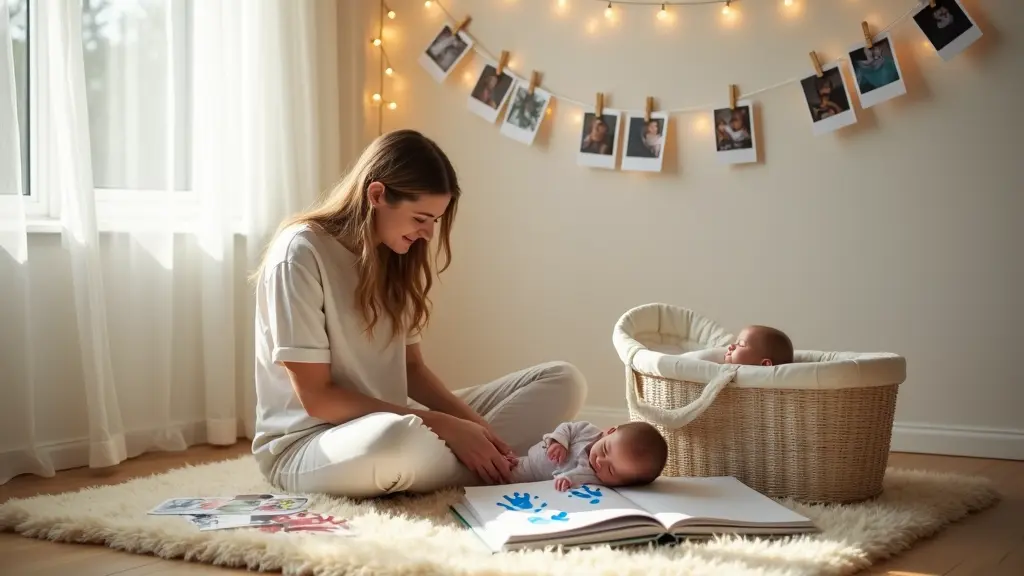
point(478, 107)
point(594, 160)
point(883, 93)
point(839, 120)
point(429, 63)
point(737, 155)
point(644, 163)
point(961, 41)
point(541, 99)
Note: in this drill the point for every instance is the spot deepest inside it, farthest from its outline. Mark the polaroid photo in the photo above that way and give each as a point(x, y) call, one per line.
point(948, 27)
point(877, 71)
point(828, 100)
point(599, 139)
point(735, 141)
point(491, 92)
point(525, 113)
point(445, 52)
point(645, 142)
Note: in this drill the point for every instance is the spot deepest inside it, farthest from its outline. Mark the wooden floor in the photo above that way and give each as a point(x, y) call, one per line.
point(990, 543)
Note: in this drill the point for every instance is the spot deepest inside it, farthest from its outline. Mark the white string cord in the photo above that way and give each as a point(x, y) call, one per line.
point(479, 47)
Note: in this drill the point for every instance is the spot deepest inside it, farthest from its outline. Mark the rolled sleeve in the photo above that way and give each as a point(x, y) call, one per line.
point(295, 316)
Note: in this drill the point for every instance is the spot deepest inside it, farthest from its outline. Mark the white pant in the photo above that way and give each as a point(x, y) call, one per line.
point(384, 453)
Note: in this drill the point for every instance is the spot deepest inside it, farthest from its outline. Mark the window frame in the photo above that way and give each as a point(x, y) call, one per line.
point(118, 209)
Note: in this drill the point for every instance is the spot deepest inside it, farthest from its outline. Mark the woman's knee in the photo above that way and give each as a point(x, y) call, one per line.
point(569, 382)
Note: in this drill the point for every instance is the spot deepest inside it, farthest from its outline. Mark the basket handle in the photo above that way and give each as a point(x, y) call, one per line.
point(676, 417)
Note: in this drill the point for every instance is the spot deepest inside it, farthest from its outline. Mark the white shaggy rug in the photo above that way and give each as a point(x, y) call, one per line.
point(416, 535)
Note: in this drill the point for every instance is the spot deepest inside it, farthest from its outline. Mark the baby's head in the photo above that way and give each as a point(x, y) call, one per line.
point(629, 455)
point(760, 346)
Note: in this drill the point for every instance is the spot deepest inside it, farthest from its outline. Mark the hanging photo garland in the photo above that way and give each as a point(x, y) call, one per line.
point(876, 72)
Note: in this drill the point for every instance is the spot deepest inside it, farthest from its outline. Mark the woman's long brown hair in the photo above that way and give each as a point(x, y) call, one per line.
point(392, 285)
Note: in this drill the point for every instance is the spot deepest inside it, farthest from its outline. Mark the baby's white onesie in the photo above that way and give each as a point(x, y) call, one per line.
point(576, 437)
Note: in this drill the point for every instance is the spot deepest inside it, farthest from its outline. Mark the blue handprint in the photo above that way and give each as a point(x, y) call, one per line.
point(518, 502)
point(560, 517)
point(594, 494)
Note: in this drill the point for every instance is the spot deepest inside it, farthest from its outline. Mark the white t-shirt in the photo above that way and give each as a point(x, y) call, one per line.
point(305, 312)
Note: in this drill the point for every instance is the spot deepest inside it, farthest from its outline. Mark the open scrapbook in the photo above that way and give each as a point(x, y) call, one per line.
point(535, 515)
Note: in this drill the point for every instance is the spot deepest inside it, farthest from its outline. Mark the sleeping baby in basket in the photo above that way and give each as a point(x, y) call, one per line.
point(760, 346)
point(577, 453)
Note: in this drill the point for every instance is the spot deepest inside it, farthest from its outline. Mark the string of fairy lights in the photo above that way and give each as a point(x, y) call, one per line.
point(610, 6)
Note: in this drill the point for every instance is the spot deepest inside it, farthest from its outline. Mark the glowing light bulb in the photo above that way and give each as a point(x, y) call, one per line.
point(376, 41)
point(376, 97)
point(608, 11)
point(788, 2)
point(427, 3)
point(389, 71)
point(725, 9)
point(391, 14)
point(392, 105)
point(561, 3)
point(662, 14)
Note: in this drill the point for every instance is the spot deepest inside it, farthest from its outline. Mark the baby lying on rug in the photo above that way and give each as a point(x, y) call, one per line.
point(760, 346)
point(577, 453)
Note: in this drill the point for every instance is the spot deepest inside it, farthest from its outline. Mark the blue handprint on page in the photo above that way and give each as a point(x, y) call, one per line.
point(521, 502)
point(560, 517)
point(594, 494)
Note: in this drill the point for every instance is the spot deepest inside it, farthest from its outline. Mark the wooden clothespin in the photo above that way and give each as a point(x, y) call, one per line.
point(867, 34)
point(648, 108)
point(599, 108)
point(817, 64)
point(502, 62)
point(732, 96)
point(931, 4)
point(534, 82)
point(465, 22)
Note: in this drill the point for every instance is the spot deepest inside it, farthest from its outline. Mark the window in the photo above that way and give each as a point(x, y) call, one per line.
point(17, 10)
point(137, 84)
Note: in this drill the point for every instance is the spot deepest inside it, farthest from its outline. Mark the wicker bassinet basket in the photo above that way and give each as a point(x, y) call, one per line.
point(817, 430)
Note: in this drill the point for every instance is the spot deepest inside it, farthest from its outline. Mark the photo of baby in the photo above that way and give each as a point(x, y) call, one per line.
point(444, 52)
point(948, 27)
point(878, 73)
point(828, 100)
point(525, 113)
point(490, 92)
point(645, 142)
point(599, 139)
point(734, 133)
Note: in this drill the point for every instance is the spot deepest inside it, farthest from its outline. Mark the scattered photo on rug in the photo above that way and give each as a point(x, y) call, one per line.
point(828, 100)
point(261, 504)
point(877, 70)
point(599, 139)
point(645, 142)
point(491, 92)
point(525, 113)
point(734, 133)
point(444, 52)
point(948, 27)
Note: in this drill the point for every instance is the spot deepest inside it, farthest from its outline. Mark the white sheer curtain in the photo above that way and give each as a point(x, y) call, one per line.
point(170, 138)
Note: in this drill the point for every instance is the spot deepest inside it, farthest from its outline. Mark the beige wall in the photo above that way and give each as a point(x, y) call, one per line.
point(899, 234)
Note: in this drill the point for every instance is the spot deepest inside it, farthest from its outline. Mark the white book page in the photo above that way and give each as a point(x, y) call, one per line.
point(536, 508)
point(710, 501)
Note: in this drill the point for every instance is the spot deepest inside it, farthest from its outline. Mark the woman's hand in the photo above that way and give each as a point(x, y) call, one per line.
point(475, 446)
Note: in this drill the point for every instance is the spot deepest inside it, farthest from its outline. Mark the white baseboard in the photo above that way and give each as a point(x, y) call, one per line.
point(1006, 444)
